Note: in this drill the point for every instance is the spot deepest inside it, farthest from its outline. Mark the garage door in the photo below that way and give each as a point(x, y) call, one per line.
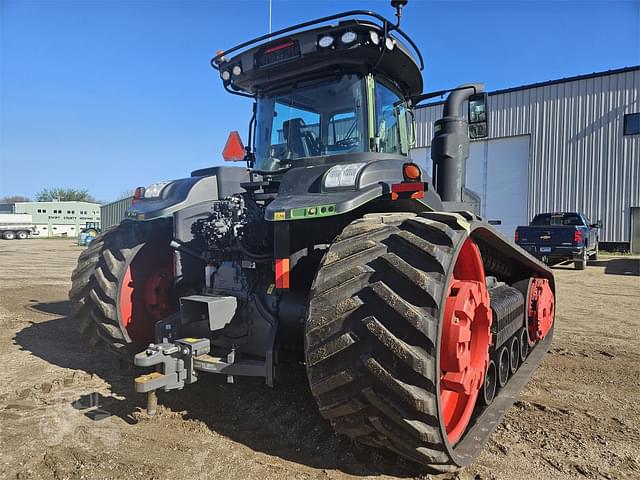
point(498, 170)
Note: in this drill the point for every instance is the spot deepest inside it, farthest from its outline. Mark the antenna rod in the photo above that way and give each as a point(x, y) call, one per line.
point(398, 4)
point(270, 20)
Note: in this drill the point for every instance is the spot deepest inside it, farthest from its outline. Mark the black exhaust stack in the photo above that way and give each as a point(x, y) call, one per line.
point(450, 145)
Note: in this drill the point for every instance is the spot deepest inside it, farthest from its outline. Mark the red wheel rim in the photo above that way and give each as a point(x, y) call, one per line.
point(541, 309)
point(146, 292)
point(465, 340)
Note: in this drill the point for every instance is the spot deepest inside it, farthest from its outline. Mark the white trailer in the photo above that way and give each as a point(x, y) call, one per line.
point(16, 225)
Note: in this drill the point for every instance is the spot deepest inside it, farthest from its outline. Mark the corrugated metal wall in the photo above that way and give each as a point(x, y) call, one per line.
point(113, 213)
point(580, 159)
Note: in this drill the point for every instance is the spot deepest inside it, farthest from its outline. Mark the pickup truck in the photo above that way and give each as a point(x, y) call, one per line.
point(560, 237)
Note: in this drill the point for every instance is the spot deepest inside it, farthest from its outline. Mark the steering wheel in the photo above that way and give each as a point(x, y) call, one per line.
point(347, 142)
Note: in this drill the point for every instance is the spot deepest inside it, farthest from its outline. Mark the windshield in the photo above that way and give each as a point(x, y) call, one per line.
point(326, 118)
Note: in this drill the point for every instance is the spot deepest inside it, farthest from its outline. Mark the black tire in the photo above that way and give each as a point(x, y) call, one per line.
point(524, 344)
point(22, 235)
point(489, 385)
point(514, 355)
point(502, 360)
point(594, 255)
point(372, 334)
point(9, 235)
point(581, 263)
point(96, 281)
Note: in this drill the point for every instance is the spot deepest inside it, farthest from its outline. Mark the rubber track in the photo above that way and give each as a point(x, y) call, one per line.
point(371, 332)
point(94, 282)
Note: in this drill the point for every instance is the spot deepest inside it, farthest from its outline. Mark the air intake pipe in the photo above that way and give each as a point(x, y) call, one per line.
point(450, 145)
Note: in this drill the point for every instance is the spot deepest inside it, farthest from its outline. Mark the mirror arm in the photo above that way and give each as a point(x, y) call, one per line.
point(416, 99)
point(250, 156)
point(240, 94)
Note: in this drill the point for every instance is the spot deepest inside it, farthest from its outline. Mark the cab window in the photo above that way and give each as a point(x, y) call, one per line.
point(390, 121)
point(296, 129)
point(343, 131)
point(321, 119)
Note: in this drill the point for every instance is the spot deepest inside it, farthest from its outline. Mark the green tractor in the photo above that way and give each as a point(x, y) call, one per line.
point(88, 233)
point(418, 322)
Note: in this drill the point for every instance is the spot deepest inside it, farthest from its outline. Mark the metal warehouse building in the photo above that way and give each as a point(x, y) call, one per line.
point(113, 213)
point(564, 145)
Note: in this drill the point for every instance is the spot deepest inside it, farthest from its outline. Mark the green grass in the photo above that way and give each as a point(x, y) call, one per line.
point(604, 253)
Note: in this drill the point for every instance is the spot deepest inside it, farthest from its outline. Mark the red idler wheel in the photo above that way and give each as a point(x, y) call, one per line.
point(540, 309)
point(146, 292)
point(465, 340)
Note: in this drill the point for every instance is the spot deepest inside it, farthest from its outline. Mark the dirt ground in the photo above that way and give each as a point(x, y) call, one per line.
point(69, 411)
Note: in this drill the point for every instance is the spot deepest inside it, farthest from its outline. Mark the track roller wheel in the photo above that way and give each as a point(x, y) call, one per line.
point(524, 344)
point(123, 285)
point(489, 385)
point(503, 366)
point(514, 355)
point(398, 333)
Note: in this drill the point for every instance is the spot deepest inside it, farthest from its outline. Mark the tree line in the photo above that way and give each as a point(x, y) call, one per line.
point(54, 195)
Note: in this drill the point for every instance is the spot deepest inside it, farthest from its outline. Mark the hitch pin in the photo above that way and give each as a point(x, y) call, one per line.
point(152, 396)
point(152, 402)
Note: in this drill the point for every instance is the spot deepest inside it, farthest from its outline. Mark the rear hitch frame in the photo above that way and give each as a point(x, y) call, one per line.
point(174, 367)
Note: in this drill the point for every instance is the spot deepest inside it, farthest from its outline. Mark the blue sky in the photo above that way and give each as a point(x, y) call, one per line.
point(109, 95)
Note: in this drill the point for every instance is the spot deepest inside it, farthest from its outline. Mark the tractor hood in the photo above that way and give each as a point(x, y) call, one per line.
point(203, 186)
point(305, 191)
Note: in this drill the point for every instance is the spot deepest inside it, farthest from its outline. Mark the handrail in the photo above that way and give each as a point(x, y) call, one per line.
point(387, 26)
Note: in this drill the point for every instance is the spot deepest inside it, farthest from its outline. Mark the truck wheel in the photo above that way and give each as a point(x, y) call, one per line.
point(385, 318)
point(594, 255)
point(123, 285)
point(22, 235)
point(9, 235)
point(581, 263)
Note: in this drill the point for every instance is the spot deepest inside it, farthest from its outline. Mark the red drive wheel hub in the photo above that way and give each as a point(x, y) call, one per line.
point(540, 309)
point(146, 292)
point(465, 340)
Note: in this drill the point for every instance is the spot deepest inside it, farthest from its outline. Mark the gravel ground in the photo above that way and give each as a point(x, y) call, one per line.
point(69, 411)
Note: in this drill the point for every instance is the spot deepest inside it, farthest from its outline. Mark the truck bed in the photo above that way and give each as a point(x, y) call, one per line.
point(548, 239)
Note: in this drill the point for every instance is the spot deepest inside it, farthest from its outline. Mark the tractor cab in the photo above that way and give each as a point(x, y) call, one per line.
point(324, 94)
point(328, 118)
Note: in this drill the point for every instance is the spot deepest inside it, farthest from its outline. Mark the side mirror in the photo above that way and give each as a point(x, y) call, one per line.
point(233, 150)
point(598, 224)
point(478, 116)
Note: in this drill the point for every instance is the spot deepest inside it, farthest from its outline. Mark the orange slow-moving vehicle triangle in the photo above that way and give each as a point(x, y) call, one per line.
point(233, 150)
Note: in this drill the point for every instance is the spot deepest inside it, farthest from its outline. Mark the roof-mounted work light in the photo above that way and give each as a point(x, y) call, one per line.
point(325, 41)
point(348, 37)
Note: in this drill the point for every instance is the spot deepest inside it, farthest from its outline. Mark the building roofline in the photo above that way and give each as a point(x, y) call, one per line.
point(547, 83)
point(55, 201)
